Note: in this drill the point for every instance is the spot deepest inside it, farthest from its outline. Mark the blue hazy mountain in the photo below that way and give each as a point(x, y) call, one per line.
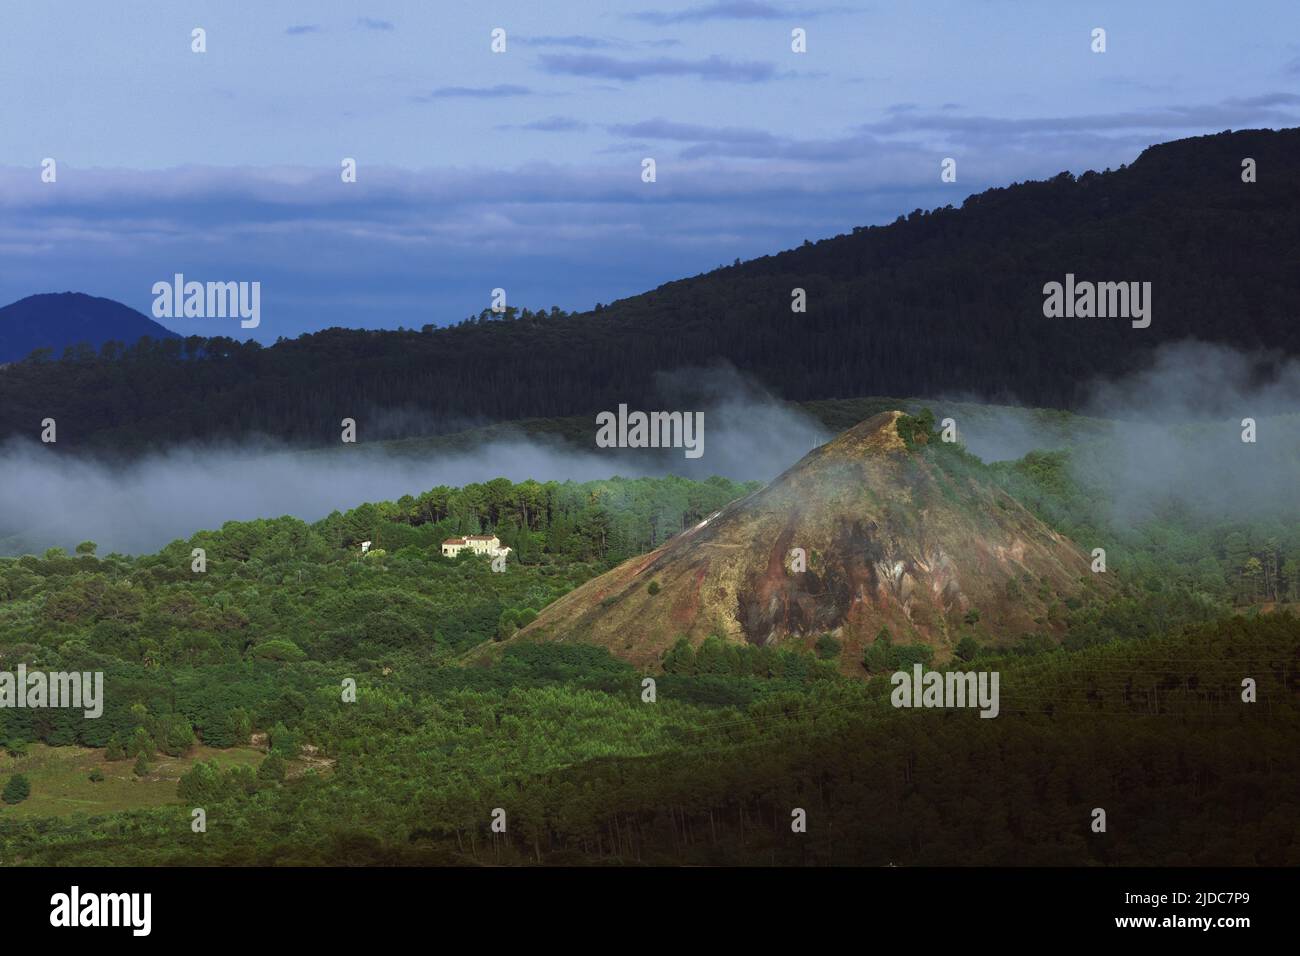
point(56, 320)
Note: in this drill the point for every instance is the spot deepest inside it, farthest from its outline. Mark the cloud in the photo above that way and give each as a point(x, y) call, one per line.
point(412, 247)
point(611, 68)
point(552, 124)
point(1152, 457)
point(370, 23)
point(478, 92)
point(574, 40)
point(730, 10)
point(301, 29)
point(1282, 109)
point(691, 133)
point(733, 142)
point(1169, 433)
point(578, 41)
point(416, 246)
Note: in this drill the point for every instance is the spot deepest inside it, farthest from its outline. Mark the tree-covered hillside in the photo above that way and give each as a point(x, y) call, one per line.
point(382, 739)
point(941, 302)
point(281, 589)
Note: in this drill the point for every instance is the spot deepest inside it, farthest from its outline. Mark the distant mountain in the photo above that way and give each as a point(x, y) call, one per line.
point(887, 537)
point(57, 320)
point(947, 302)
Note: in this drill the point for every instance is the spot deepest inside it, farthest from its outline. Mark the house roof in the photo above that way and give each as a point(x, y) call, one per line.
point(454, 541)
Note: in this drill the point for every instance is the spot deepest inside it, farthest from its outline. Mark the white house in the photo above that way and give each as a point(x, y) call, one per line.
point(488, 544)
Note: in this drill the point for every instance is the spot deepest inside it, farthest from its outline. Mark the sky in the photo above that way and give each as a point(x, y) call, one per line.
point(522, 169)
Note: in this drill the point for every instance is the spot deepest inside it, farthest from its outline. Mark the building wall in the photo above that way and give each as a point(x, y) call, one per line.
point(490, 547)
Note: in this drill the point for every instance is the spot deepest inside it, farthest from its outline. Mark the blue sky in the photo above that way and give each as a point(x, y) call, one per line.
point(522, 169)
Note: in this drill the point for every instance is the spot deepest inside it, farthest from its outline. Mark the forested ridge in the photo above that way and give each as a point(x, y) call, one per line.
point(946, 301)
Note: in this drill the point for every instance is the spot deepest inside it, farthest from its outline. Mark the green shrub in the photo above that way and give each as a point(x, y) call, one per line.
point(884, 655)
point(207, 783)
point(272, 769)
point(116, 749)
point(283, 741)
point(916, 430)
point(827, 647)
point(878, 656)
point(17, 789)
point(905, 655)
point(175, 735)
point(278, 650)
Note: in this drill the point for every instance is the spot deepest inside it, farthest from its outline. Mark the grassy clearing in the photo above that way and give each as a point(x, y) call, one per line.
point(61, 785)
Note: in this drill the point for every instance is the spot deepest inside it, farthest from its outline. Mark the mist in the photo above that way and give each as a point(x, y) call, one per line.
point(1176, 435)
point(49, 498)
point(1168, 436)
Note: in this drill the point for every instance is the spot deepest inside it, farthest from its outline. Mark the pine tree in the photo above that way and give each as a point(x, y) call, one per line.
point(17, 789)
point(272, 769)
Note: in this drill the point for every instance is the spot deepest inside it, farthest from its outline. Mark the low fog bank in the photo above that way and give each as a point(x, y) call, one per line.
point(1005, 432)
point(1177, 434)
point(49, 498)
point(1169, 435)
